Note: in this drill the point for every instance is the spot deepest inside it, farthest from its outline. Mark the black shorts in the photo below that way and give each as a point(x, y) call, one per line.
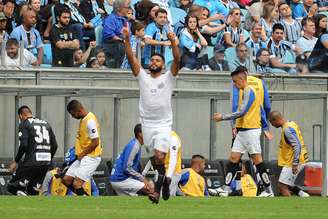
point(32, 174)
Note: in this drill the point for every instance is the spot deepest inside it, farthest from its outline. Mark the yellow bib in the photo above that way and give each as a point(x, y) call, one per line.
point(248, 186)
point(83, 140)
point(195, 186)
point(57, 187)
point(251, 119)
point(286, 153)
point(175, 138)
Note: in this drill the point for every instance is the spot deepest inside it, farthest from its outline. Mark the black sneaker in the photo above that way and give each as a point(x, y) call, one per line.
point(166, 188)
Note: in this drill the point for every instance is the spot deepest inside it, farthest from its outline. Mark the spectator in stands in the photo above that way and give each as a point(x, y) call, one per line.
point(80, 57)
point(256, 10)
point(1, 5)
point(229, 4)
point(35, 5)
point(215, 7)
point(262, 63)
point(233, 33)
point(152, 13)
point(192, 183)
point(112, 34)
point(217, 62)
point(130, 15)
point(12, 57)
point(185, 5)
point(84, 29)
point(254, 41)
point(302, 64)
point(307, 41)
point(8, 10)
point(242, 59)
point(301, 9)
point(207, 25)
point(323, 5)
point(145, 11)
point(293, 28)
point(278, 48)
point(100, 55)
point(29, 35)
point(156, 37)
point(92, 12)
point(93, 63)
point(269, 18)
point(194, 10)
point(63, 39)
point(3, 33)
point(318, 59)
point(320, 25)
point(193, 46)
point(136, 41)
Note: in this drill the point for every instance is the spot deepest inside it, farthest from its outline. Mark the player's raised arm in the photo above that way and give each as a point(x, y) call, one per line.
point(135, 65)
point(176, 53)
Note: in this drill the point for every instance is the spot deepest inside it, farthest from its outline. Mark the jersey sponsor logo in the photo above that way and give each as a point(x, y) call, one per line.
point(42, 156)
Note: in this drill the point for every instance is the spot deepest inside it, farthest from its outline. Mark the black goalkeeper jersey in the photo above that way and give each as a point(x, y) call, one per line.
point(37, 142)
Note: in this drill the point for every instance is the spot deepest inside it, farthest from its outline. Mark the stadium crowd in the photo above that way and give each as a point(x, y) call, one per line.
point(267, 36)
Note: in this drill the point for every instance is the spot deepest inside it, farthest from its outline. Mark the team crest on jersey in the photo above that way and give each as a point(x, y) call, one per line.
point(93, 130)
point(161, 85)
point(174, 148)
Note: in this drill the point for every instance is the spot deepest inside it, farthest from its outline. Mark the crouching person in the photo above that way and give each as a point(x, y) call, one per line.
point(192, 183)
point(53, 181)
point(125, 177)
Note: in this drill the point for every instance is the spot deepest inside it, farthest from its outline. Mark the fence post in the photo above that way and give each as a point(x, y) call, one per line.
point(117, 103)
point(324, 191)
point(213, 109)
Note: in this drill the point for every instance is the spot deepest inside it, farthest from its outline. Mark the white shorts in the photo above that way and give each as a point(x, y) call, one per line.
point(174, 184)
point(248, 141)
point(287, 177)
point(158, 138)
point(128, 187)
point(85, 168)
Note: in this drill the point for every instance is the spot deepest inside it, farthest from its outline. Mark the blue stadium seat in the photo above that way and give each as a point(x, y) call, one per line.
point(177, 14)
point(168, 55)
point(210, 51)
point(99, 35)
point(230, 54)
point(289, 58)
point(47, 54)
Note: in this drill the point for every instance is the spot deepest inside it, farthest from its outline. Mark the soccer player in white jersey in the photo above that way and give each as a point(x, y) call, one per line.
point(155, 108)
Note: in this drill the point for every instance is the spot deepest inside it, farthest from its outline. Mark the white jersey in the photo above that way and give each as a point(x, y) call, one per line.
point(155, 106)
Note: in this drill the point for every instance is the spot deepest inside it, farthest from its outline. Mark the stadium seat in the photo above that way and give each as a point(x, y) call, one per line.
point(213, 174)
point(210, 51)
point(47, 54)
point(230, 54)
point(177, 14)
point(101, 176)
point(99, 35)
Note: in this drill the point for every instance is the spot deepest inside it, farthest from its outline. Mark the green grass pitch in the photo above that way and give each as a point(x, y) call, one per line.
point(180, 207)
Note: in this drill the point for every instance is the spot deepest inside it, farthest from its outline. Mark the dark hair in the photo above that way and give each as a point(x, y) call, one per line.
point(142, 9)
point(160, 55)
point(240, 69)
point(12, 42)
point(187, 19)
point(161, 10)
point(61, 9)
point(22, 108)
point(278, 26)
point(91, 61)
point(136, 26)
point(195, 156)
point(73, 106)
point(319, 30)
point(137, 130)
point(260, 51)
point(305, 20)
point(282, 3)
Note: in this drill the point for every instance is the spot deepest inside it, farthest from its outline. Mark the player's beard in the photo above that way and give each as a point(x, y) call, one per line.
point(155, 69)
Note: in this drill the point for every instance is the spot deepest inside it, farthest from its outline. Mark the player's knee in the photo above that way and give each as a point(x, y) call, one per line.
point(257, 158)
point(282, 187)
